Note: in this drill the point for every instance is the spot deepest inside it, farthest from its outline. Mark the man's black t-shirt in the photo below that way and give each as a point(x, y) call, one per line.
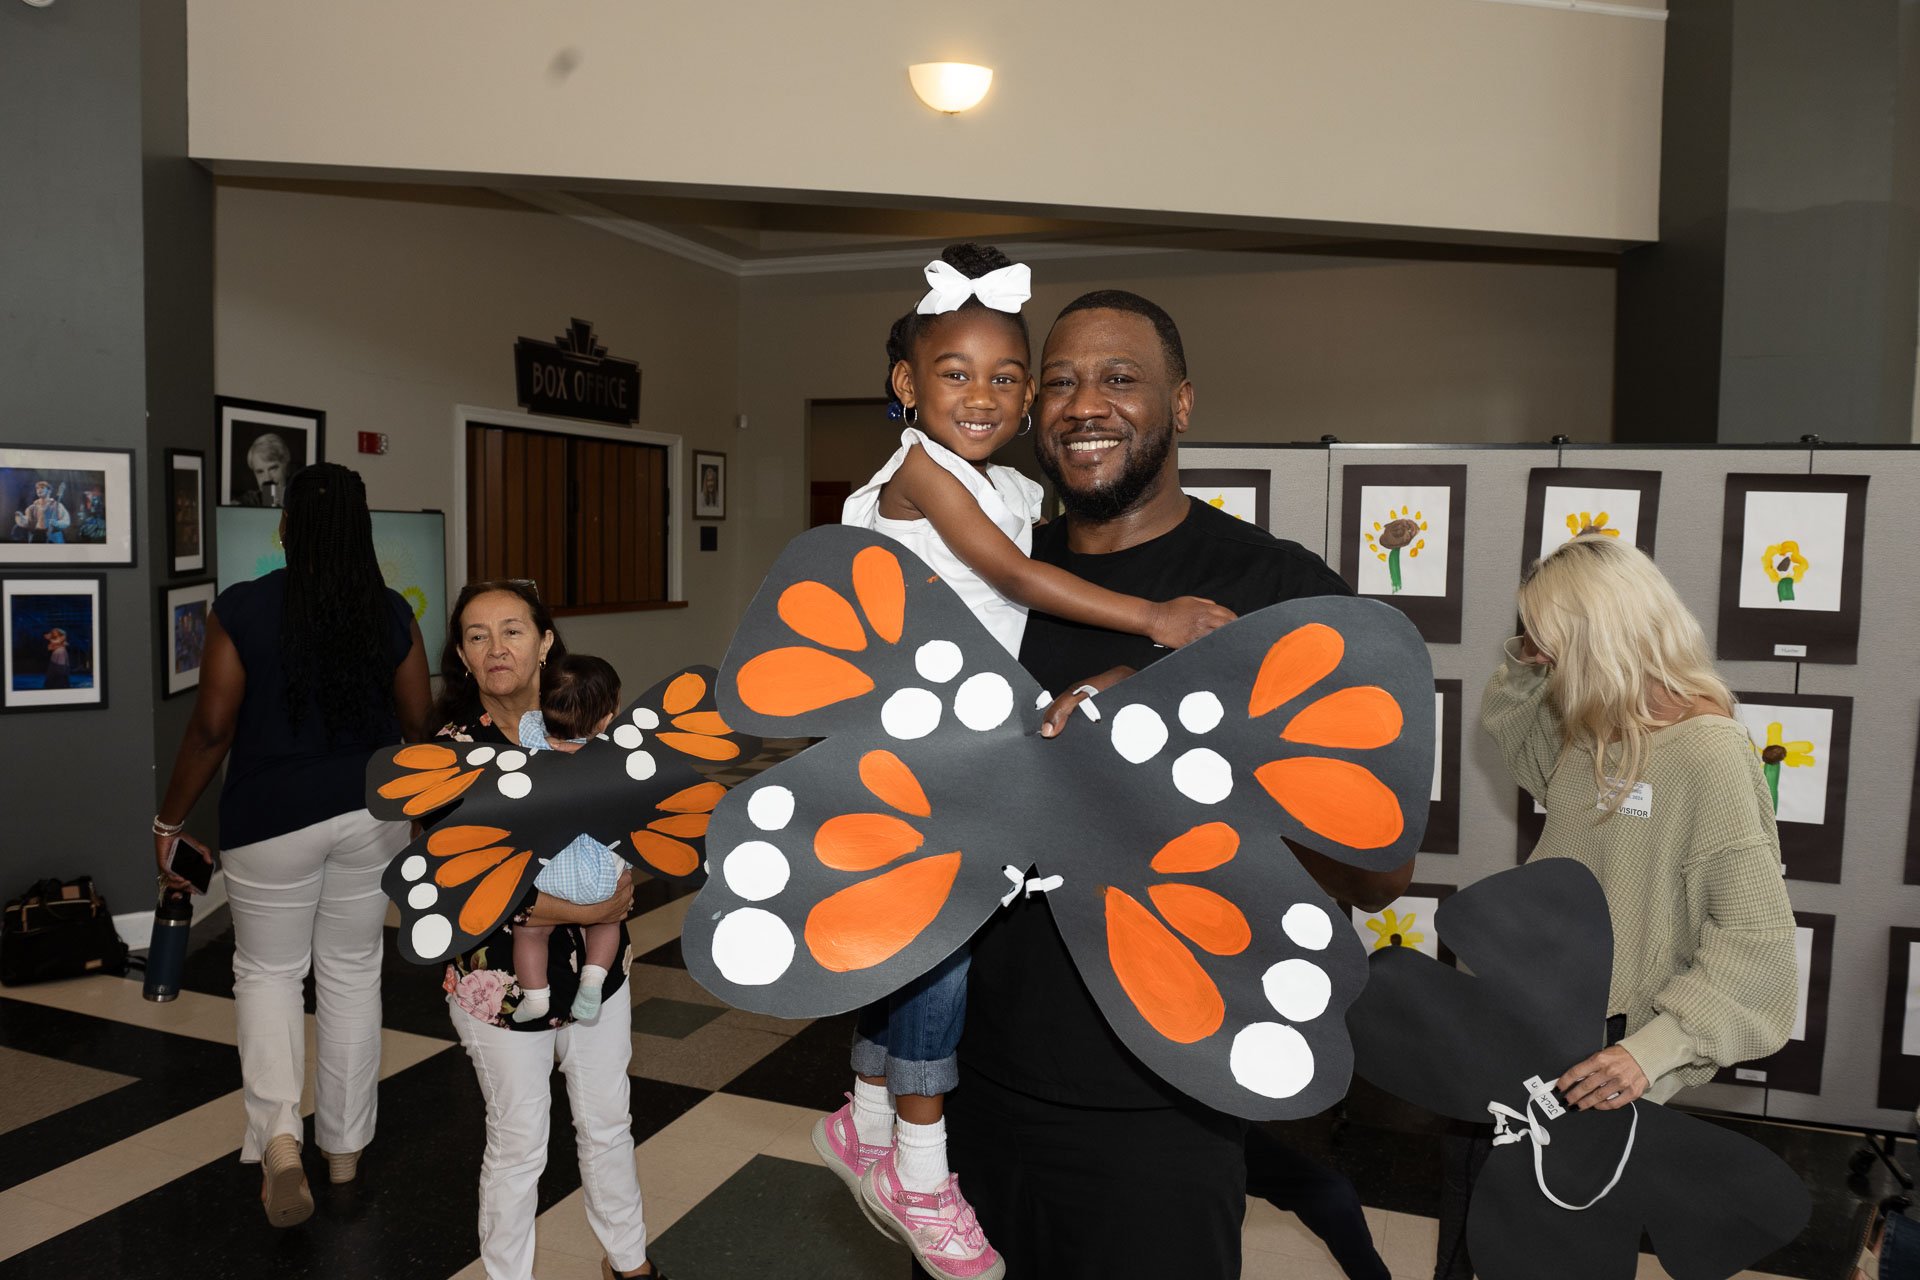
point(1031, 1023)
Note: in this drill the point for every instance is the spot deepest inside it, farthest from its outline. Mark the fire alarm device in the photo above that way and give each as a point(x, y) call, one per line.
point(373, 442)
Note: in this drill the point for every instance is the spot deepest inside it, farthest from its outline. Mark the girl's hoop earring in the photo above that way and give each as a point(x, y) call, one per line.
point(1026, 426)
point(911, 414)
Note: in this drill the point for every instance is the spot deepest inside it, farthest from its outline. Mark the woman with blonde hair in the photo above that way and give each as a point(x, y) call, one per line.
point(1608, 710)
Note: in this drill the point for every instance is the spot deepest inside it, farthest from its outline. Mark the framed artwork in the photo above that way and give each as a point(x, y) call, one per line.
point(1565, 501)
point(55, 658)
point(1803, 741)
point(1241, 493)
point(1796, 1067)
point(1900, 1031)
point(187, 499)
point(1913, 824)
point(1532, 817)
point(709, 485)
point(1443, 813)
point(1402, 537)
point(1790, 553)
point(61, 506)
point(1405, 922)
point(184, 609)
point(261, 446)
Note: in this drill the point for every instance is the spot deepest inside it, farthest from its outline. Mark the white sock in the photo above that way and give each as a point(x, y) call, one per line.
point(872, 1114)
point(533, 1003)
point(592, 975)
point(920, 1155)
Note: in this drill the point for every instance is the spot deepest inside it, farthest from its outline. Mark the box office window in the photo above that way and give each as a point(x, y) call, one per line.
point(585, 518)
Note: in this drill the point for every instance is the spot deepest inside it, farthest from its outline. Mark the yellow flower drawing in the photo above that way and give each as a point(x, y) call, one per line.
point(1589, 522)
point(1220, 501)
point(1794, 755)
point(1785, 566)
point(1402, 527)
point(1394, 930)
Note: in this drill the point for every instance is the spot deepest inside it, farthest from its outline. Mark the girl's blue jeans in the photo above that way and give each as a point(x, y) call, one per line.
point(911, 1037)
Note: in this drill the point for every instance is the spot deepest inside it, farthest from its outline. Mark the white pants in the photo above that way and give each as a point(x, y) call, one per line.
point(310, 898)
point(514, 1069)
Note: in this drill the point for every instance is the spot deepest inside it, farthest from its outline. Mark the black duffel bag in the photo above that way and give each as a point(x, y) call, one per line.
point(57, 930)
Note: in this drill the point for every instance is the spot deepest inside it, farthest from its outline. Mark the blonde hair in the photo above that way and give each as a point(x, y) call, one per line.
point(1611, 623)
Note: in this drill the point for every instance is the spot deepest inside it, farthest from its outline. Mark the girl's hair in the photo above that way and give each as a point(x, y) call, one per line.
point(583, 690)
point(459, 700)
point(1610, 623)
point(971, 261)
point(336, 624)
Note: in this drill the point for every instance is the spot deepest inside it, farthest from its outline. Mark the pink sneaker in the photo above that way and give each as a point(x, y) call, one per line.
point(940, 1227)
point(840, 1149)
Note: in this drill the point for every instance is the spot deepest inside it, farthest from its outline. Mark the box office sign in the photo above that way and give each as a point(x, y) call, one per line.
point(574, 377)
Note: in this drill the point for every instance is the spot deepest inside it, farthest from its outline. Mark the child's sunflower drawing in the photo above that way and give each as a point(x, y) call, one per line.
point(1402, 530)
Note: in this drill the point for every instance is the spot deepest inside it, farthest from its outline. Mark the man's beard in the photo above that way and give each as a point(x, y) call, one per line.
point(1120, 497)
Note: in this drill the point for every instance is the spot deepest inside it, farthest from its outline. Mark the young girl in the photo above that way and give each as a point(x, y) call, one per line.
point(958, 368)
point(582, 702)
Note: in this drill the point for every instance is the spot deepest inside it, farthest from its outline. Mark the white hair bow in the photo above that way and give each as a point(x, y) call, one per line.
point(1003, 290)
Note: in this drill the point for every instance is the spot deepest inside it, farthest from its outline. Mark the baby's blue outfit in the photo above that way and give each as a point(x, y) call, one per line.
point(585, 871)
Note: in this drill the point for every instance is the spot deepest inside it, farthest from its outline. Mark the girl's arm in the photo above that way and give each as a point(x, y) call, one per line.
point(216, 710)
point(965, 528)
point(1516, 710)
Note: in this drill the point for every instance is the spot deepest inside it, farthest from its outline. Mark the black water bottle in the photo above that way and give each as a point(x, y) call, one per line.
point(167, 953)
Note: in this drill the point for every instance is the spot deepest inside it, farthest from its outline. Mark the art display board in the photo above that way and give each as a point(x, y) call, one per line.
point(410, 545)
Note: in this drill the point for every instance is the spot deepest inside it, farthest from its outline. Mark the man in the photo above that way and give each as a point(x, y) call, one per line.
point(270, 461)
point(45, 519)
point(1078, 1159)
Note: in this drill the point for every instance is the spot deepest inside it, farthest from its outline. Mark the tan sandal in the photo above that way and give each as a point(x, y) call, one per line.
point(283, 1188)
point(342, 1166)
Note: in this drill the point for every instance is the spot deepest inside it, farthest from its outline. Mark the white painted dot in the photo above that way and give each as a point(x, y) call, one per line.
point(431, 937)
point(515, 786)
point(984, 701)
point(640, 766)
point(511, 760)
point(626, 737)
point(1203, 776)
point(755, 871)
point(1272, 1059)
point(1200, 712)
point(770, 808)
point(1040, 703)
point(938, 661)
point(1138, 733)
point(1308, 926)
point(752, 947)
point(646, 717)
point(480, 755)
point(422, 896)
point(1298, 990)
point(413, 868)
point(911, 713)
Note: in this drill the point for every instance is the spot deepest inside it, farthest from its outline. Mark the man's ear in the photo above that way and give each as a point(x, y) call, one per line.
point(903, 382)
point(1182, 405)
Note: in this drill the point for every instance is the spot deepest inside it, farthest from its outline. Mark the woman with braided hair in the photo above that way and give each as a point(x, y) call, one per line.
point(306, 672)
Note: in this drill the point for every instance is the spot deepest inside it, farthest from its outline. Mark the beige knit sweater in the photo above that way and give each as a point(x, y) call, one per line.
point(1703, 956)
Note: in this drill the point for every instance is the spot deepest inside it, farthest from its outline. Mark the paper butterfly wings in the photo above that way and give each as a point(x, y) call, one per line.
point(1539, 942)
point(632, 789)
point(846, 872)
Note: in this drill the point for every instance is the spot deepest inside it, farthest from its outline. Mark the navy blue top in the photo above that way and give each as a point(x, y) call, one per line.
point(282, 777)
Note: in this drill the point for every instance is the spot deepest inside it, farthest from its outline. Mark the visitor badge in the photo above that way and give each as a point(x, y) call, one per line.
point(1639, 801)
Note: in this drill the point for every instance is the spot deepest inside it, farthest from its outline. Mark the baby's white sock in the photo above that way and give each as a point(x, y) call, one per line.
point(872, 1114)
point(586, 1003)
point(920, 1155)
point(533, 1003)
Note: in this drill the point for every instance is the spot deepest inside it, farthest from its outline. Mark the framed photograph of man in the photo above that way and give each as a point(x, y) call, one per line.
point(709, 485)
point(187, 506)
point(55, 656)
point(184, 610)
point(261, 446)
point(61, 507)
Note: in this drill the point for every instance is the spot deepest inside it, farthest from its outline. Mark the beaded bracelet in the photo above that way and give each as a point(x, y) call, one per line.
point(167, 828)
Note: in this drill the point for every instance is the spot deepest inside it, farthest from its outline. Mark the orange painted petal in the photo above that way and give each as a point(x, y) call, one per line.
point(822, 615)
point(685, 825)
point(699, 746)
point(869, 922)
point(1201, 849)
point(863, 841)
point(492, 900)
point(1166, 984)
point(683, 694)
point(447, 841)
point(882, 590)
point(446, 793)
point(887, 776)
point(699, 798)
point(1210, 921)
point(1362, 717)
point(708, 722)
point(787, 682)
point(1297, 661)
point(1336, 798)
point(674, 857)
point(425, 755)
point(457, 871)
point(413, 784)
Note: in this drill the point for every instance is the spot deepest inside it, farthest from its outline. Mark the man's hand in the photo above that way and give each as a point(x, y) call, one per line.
point(1607, 1081)
point(1062, 707)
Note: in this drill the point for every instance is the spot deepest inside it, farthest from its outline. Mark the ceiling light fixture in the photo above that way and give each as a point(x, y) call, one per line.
point(950, 87)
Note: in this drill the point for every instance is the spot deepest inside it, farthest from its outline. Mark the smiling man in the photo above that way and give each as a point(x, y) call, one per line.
point(1081, 1161)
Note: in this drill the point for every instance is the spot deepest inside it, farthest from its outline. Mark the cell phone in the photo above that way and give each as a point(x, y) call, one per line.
point(194, 869)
